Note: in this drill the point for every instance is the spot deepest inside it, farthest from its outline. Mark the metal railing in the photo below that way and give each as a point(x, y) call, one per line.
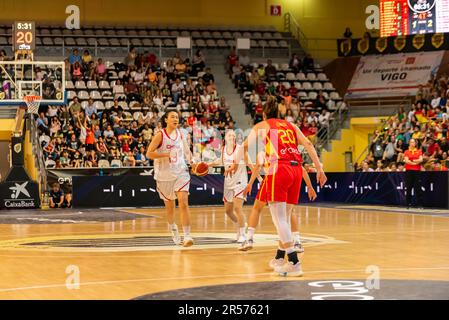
point(327, 133)
point(160, 47)
point(292, 26)
point(406, 104)
point(39, 158)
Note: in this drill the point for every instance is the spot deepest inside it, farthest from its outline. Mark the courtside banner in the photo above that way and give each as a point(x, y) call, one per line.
point(375, 188)
point(392, 75)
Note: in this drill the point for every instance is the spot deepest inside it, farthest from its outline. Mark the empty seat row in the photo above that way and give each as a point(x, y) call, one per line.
point(160, 33)
point(306, 85)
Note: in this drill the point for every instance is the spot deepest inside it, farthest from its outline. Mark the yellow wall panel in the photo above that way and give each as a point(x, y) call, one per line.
point(322, 21)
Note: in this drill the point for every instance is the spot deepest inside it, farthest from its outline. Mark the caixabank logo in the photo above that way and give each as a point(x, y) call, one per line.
point(17, 195)
point(20, 197)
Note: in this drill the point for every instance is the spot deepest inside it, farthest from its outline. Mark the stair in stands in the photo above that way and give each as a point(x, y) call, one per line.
point(226, 88)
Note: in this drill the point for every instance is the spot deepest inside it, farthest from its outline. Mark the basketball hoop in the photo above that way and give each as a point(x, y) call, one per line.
point(33, 102)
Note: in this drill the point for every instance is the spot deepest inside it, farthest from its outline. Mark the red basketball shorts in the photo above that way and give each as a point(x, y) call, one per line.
point(284, 185)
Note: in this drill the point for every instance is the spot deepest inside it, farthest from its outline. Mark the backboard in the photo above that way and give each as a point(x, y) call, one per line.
point(22, 77)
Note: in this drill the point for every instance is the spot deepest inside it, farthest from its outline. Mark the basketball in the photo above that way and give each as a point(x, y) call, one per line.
point(201, 169)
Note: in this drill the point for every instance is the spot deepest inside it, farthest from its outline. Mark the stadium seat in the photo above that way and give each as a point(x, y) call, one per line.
point(328, 86)
point(311, 76)
point(335, 96)
point(83, 95)
point(80, 84)
point(307, 86)
point(108, 105)
point(92, 84)
point(322, 77)
point(95, 95)
point(290, 76)
point(297, 85)
point(71, 95)
point(317, 86)
point(103, 163)
point(301, 76)
point(116, 163)
point(69, 85)
point(99, 105)
point(104, 85)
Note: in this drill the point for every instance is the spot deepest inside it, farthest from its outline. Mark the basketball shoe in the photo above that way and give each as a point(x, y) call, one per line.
point(188, 241)
point(289, 270)
point(175, 235)
point(246, 245)
point(276, 263)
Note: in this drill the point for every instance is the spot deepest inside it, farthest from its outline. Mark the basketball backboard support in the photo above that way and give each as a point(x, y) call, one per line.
point(22, 77)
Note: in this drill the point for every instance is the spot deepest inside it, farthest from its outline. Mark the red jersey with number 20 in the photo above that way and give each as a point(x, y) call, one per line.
point(284, 175)
point(281, 142)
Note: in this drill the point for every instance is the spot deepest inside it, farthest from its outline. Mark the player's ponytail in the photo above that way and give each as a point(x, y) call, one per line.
point(271, 109)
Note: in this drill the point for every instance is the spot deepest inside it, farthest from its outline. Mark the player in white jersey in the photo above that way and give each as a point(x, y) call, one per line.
point(170, 152)
point(234, 186)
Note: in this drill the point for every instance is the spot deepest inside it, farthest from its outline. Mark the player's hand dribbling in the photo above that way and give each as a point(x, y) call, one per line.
point(321, 177)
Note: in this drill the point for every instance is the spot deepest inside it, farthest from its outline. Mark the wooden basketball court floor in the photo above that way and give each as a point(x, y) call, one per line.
point(44, 258)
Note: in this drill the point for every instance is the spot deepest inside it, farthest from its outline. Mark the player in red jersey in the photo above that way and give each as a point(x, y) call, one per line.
point(280, 139)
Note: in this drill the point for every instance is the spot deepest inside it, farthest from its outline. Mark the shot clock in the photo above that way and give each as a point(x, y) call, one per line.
point(24, 36)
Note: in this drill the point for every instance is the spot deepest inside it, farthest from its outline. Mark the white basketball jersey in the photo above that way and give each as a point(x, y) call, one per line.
point(240, 177)
point(169, 169)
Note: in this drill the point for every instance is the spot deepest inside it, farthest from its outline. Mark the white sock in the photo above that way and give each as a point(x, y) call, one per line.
point(296, 237)
point(186, 230)
point(251, 233)
point(173, 226)
point(289, 250)
point(242, 232)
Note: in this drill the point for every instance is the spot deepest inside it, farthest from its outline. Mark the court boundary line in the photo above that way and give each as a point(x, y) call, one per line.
point(108, 282)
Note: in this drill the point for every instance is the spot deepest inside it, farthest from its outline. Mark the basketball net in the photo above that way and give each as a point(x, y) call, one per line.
point(33, 102)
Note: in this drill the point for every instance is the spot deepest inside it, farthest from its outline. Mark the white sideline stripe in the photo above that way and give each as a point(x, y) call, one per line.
point(249, 275)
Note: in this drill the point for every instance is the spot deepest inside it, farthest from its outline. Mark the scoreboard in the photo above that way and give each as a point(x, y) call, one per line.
point(405, 17)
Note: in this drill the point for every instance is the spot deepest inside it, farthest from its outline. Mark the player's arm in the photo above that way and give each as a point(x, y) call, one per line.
point(310, 190)
point(255, 173)
point(187, 152)
point(155, 143)
point(252, 138)
point(308, 145)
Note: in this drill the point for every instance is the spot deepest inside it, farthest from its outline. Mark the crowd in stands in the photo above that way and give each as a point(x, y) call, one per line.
point(265, 81)
point(427, 122)
point(79, 135)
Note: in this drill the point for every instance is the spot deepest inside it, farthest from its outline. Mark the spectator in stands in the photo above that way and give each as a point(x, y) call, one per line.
point(132, 91)
point(75, 57)
point(270, 70)
point(208, 76)
point(77, 71)
point(141, 159)
point(377, 146)
point(100, 70)
point(295, 63)
point(244, 59)
point(48, 88)
point(75, 108)
point(176, 89)
point(130, 60)
point(90, 108)
point(232, 60)
point(198, 63)
point(308, 63)
point(366, 167)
